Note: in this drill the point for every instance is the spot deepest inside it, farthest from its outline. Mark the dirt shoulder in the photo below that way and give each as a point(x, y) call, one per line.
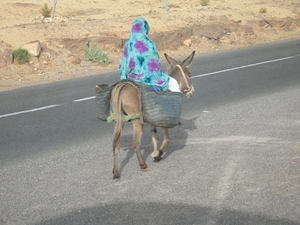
point(222, 24)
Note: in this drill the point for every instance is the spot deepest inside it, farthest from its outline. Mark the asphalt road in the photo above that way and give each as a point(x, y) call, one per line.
point(234, 160)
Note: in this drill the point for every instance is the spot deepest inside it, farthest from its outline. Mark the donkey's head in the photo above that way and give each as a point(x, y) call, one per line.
point(181, 73)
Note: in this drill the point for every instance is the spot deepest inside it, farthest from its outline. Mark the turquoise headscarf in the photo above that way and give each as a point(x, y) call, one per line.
point(140, 60)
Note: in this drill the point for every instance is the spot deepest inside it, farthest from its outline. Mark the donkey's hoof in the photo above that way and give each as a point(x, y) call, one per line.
point(157, 159)
point(155, 154)
point(116, 176)
point(144, 167)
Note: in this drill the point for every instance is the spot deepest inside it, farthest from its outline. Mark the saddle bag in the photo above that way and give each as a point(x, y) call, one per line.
point(158, 110)
point(103, 93)
point(161, 110)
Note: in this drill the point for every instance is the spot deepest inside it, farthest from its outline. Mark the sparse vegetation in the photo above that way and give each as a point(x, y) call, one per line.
point(96, 55)
point(263, 10)
point(204, 2)
point(21, 55)
point(45, 11)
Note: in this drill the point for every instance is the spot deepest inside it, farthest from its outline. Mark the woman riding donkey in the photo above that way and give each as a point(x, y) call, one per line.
point(140, 60)
point(140, 63)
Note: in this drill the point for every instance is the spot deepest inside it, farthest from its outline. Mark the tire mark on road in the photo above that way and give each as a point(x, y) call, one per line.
point(222, 191)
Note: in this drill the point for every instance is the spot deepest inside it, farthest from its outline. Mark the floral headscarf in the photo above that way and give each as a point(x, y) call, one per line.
point(140, 60)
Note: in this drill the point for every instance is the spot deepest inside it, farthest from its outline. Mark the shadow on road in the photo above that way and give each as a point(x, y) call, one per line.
point(178, 137)
point(158, 213)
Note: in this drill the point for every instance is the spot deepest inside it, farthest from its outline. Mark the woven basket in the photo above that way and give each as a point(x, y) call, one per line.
point(103, 92)
point(161, 110)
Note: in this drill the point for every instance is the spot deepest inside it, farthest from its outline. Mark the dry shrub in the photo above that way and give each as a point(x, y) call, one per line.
point(45, 11)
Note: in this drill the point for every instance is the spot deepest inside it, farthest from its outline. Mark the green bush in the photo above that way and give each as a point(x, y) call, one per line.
point(45, 11)
point(96, 55)
point(21, 55)
point(263, 10)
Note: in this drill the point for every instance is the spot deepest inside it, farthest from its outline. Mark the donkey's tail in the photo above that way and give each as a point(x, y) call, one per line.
point(117, 108)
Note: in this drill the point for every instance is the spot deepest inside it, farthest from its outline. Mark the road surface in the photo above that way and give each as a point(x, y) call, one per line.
point(234, 160)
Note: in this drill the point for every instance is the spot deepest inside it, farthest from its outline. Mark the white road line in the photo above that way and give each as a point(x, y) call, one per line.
point(201, 75)
point(246, 66)
point(28, 111)
point(84, 99)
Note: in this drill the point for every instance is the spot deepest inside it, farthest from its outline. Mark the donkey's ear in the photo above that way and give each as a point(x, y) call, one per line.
point(170, 60)
point(188, 60)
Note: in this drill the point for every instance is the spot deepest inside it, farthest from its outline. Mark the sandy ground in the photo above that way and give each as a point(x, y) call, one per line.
point(21, 22)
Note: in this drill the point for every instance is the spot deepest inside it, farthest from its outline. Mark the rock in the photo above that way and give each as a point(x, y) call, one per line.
point(171, 40)
point(164, 40)
point(106, 42)
point(231, 26)
point(167, 40)
point(209, 31)
point(75, 45)
point(73, 59)
point(246, 30)
point(195, 39)
point(226, 40)
point(263, 23)
point(6, 58)
point(187, 42)
point(34, 48)
point(49, 53)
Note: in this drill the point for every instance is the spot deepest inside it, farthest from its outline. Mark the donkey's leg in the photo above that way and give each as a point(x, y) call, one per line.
point(116, 149)
point(136, 142)
point(154, 139)
point(164, 145)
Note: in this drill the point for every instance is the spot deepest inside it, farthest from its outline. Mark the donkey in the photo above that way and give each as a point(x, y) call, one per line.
point(126, 100)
